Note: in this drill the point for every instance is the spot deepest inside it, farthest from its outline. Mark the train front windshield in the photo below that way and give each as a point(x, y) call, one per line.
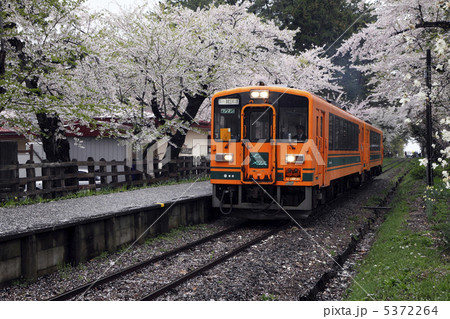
point(293, 118)
point(291, 111)
point(227, 116)
point(259, 123)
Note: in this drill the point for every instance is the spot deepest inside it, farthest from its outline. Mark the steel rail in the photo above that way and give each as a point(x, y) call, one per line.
point(395, 164)
point(122, 272)
point(161, 291)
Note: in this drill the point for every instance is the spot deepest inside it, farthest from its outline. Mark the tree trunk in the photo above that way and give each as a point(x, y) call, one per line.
point(52, 134)
point(176, 141)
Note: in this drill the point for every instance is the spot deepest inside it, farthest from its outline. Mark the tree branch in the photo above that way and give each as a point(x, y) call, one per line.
point(427, 24)
point(154, 106)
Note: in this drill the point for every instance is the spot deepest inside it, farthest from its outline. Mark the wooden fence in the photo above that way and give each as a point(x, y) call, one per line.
point(51, 180)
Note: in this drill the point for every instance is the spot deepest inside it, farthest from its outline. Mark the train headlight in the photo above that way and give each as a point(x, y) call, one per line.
point(259, 94)
point(224, 157)
point(290, 158)
point(295, 158)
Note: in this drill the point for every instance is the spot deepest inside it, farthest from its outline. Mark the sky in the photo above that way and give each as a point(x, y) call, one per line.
point(115, 5)
point(412, 146)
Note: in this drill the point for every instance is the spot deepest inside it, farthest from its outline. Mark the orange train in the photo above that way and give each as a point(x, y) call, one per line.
point(277, 151)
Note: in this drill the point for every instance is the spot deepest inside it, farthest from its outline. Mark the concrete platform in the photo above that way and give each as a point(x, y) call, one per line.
point(43, 215)
point(36, 239)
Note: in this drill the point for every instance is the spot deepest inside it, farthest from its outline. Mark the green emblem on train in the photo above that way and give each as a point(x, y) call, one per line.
point(259, 160)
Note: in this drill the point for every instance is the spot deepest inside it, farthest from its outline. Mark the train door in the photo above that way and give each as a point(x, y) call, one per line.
point(321, 144)
point(258, 132)
point(366, 148)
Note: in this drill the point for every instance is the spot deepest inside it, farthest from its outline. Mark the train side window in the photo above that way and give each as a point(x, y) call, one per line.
point(343, 134)
point(375, 141)
point(331, 132)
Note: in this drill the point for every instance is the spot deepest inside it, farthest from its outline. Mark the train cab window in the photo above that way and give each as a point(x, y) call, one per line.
point(259, 124)
point(227, 117)
point(293, 118)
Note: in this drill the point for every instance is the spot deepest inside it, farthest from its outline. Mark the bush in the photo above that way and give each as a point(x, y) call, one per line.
point(418, 171)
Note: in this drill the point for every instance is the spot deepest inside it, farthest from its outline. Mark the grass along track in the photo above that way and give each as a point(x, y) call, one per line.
point(380, 199)
point(409, 259)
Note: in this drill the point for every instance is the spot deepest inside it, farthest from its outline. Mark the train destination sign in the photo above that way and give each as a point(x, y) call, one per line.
point(228, 101)
point(227, 111)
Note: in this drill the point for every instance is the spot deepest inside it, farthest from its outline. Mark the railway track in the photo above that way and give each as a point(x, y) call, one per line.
point(120, 273)
point(168, 290)
point(393, 165)
point(326, 235)
point(117, 275)
point(336, 264)
point(175, 283)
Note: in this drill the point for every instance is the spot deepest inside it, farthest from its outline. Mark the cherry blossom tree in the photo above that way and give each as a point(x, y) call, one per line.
point(394, 49)
point(152, 68)
point(167, 62)
point(43, 92)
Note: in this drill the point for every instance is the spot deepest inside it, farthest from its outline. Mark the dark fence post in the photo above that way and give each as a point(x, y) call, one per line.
point(205, 165)
point(102, 168)
point(127, 171)
point(62, 173)
point(74, 170)
point(114, 178)
point(194, 170)
point(429, 121)
point(9, 178)
point(31, 152)
point(173, 169)
point(47, 185)
point(57, 183)
point(182, 166)
point(91, 170)
point(190, 165)
point(137, 175)
point(31, 173)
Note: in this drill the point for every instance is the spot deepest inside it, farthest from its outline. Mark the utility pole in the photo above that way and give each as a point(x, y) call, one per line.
point(428, 119)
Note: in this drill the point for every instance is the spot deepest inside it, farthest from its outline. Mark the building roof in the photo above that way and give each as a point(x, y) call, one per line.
point(8, 133)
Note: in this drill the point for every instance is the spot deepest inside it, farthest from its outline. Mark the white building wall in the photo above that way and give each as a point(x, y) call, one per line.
point(109, 149)
point(197, 142)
